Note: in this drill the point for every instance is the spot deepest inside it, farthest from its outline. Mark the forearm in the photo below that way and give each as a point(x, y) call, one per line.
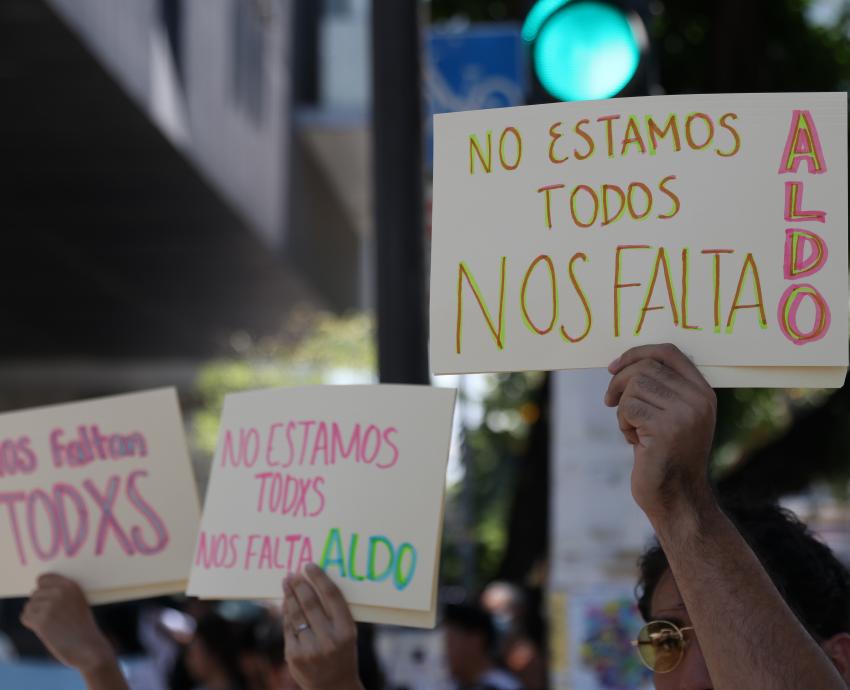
point(357, 685)
point(105, 676)
point(749, 636)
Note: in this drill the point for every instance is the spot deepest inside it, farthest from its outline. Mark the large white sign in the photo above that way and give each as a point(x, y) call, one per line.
point(349, 477)
point(101, 491)
point(564, 234)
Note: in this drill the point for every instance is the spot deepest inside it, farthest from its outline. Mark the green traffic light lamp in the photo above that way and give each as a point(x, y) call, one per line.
point(587, 49)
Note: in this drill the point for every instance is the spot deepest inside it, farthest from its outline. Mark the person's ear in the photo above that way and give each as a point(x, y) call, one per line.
point(837, 648)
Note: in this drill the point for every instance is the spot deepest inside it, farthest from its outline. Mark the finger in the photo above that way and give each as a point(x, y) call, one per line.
point(626, 428)
point(656, 382)
point(684, 388)
point(667, 354)
point(31, 615)
point(44, 594)
point(292, 618)
point(311, 605)
point(332, 598)
point(630, 435)
point(637, 415)
point(54, 580)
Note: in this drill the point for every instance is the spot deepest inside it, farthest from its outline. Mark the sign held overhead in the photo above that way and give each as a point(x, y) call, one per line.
point(563, 234)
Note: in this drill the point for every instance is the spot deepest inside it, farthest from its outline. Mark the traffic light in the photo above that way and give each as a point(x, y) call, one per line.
point(587, 49)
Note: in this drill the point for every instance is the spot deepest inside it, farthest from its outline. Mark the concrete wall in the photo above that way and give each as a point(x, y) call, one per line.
point(218, 87)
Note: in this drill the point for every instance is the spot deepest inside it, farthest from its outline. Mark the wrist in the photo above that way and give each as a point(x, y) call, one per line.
point(100, 660)
point(353, 685)
point(687, 518)
point(105, 672)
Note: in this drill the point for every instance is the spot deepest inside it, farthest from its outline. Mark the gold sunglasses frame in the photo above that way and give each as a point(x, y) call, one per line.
point(680, 632)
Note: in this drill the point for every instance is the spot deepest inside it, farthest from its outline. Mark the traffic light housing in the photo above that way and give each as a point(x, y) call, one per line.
point(587, 49)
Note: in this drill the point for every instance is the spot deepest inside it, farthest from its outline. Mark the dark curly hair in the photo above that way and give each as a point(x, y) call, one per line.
point(811, 580)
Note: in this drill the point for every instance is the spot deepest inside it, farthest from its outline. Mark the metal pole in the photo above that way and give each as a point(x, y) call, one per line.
point(397, 162)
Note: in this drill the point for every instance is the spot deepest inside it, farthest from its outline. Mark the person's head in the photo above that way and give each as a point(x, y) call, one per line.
point(470, 636)
point(212, 656)
point(504, 602)
point(807, 574)
point(272, 655)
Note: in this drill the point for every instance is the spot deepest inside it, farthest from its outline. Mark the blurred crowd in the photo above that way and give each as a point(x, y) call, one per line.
point(494, 643)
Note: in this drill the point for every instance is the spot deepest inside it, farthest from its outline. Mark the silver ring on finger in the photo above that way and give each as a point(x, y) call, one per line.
point(301, 628)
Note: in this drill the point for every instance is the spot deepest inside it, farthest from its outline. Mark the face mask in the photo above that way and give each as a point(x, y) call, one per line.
point(503, 622)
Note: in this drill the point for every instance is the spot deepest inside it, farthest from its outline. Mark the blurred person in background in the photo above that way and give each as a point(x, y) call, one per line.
point(521, 654)
point(212, 657)
point(470, 638)
point(7, 649)
point(262, 655)
point(218, 654)
point(180, 625)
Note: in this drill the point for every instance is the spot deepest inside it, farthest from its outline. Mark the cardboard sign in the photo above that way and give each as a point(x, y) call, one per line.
point(349, 477)
point(100, 491)
point(564, 234)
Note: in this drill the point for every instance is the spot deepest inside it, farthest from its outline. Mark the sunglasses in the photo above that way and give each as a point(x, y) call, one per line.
point(661, 645)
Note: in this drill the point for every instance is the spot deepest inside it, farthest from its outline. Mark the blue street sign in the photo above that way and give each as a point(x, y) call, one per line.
point(478, 66)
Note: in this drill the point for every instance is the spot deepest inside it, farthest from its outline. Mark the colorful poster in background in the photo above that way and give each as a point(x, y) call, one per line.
point(101, 491)
point(349, 477)
point(596, 627)
point(565, 233)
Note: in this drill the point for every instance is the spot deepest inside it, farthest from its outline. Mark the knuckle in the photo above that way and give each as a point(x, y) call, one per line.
point(649, 384)
point(645, 365)
point(644, 382)
point(628, 354)
point(310, 605)
point(637, 409)
point(661, 370)
point(328, 589)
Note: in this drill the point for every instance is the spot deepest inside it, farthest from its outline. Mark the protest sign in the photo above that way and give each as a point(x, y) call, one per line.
point(349, 477)
point(565, 233)
point(100, 491)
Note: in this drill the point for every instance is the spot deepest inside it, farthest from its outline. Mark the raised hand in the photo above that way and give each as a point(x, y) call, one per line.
point(667, 411)
point(320, 633)
point(60, 615)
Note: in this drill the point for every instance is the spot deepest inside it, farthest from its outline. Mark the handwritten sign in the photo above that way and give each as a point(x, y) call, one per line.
point(564, 234)
point(101, 491)
point(349, 477)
